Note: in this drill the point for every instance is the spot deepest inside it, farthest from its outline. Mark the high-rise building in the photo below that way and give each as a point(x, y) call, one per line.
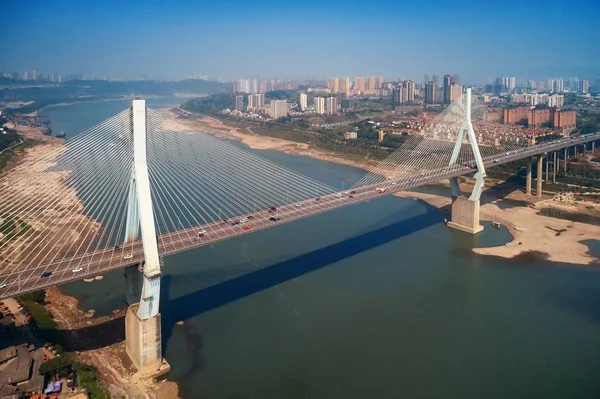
point(531, 84)
point(239, 103)
point(556, 100)
point(25, 75)
point(344, 85)
point(303, 101)
point(564, 119)
point(512, 83)
point(597, 85)
point(410, 91)
point(541, 85)
point(426, 79)
point(260, 100)
point(435, 80)
point(455, 92)
point(319, 103)
point(332, 105)
point(278, 109)
point(334, 85)
point(252, 102)
point(34, 74)
point(359, 84)
point(254, 86)
point(380, 82)
point(372, 83)
point(397, 95)
point(584, 86)
point(430, 92)
point(514, 115)
point(404, 93)
point(448, 80)
point(559, 85)
point(550, 85)
point(537, 117)
point(242, 86)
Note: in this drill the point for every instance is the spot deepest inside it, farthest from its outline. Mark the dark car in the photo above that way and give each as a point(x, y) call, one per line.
point(250, 217)
point(318, 199)
point(46, 274)
point(272, 219)
point(272, 209)
point(352, 192)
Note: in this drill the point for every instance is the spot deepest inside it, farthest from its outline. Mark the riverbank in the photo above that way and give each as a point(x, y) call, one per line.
point(533, 233)
point(543, 237)
point(258, 142)
point(100, 341)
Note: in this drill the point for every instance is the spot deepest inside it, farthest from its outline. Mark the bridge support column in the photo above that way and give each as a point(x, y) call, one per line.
point(465, 215)
point(465, 211)
point(528, 184)
point(554, 166)
point(142, 322)
point(566, 158)
point(539, 176)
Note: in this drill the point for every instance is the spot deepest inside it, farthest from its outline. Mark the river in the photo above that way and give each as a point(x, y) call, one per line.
point(376, 300)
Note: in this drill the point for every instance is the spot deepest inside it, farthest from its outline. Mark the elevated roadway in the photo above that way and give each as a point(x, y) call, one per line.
point(27, 278)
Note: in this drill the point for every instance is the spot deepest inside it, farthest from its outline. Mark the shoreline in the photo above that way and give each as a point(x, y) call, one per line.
point(100, 341)
point(536, 233)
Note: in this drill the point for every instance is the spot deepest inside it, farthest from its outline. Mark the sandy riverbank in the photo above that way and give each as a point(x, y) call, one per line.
point(557, 239)
point(259, 142)
point(27, 180)
point(100, 341)
point(534, 232)
point(39, 198)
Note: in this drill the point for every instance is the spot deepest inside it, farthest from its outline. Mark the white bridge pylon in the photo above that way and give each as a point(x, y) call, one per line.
point(140, 217)
point(467, 129)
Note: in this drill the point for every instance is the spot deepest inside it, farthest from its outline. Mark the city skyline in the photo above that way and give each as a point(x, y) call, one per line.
point(236, 40)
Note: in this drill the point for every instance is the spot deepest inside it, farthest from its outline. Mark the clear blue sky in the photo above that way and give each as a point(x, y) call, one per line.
point(238, 38)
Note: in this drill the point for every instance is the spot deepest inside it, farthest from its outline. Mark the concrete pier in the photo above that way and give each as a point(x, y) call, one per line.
point(554, 166)
point(528, 184)
point(143, 343)
point(465, 215)
point(540, 164)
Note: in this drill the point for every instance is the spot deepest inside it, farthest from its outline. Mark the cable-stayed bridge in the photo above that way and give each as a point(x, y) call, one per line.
point(139, 186)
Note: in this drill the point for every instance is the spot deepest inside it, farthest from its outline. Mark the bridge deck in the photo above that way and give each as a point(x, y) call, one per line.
point(27, 279)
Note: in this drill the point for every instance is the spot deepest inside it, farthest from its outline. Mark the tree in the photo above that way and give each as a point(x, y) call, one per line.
point(522, 122)
point(37, 296)
point(59, 365)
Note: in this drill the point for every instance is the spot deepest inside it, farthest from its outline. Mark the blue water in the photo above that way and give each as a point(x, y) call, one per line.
point(377, 300)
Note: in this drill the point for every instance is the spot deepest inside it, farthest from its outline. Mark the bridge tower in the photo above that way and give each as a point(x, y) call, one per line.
point(142, 321)
point(465, 211)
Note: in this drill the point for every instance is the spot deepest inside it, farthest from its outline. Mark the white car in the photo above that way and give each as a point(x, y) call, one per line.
point(200, 233)
point(243, 220)
point(77, 269)
point(2, 285)
point(127, 256)
point(298, 205)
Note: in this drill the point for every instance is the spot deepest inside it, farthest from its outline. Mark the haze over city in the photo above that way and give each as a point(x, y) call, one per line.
point(229, 40)
point(333, 199)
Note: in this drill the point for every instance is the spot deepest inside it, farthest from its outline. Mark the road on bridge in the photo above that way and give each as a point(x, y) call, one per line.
point(29, 278)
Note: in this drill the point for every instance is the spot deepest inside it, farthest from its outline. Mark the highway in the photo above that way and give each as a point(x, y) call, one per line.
point(29, 278)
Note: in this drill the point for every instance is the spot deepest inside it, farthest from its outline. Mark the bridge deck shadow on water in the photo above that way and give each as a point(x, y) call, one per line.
point(221, 294)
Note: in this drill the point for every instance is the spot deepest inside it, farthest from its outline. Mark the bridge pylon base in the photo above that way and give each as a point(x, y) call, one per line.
point(143, 343)
point(465, 215)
